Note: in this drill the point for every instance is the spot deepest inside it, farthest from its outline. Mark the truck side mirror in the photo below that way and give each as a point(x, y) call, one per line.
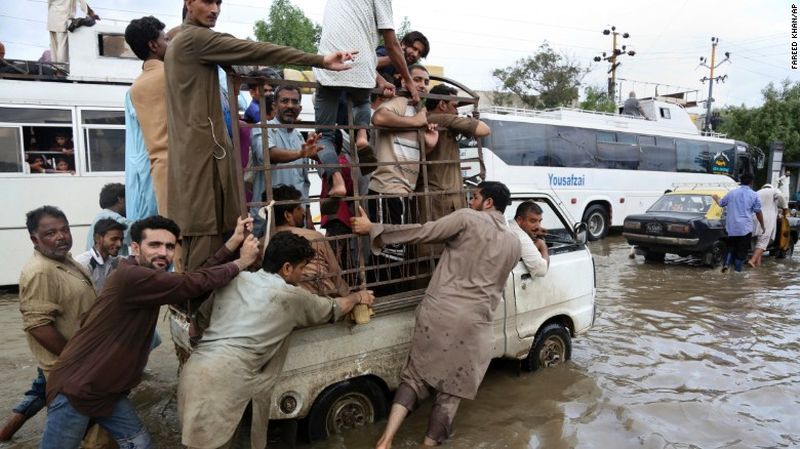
point(581, 233)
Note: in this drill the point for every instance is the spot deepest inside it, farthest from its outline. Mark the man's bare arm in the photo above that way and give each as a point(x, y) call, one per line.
point(49, 337)
point(395, 54)
point(760, 218)
point(388, 119)
point(482, 130)
point(346, 303)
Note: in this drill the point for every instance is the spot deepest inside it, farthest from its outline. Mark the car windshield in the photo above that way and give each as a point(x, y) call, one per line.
point(682, 203)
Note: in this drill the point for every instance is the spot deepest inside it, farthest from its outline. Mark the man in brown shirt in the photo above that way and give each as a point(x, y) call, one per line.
point(203, 197)
point(452, 343)
point(105, 359)
point(443, 178)
point(54, 293)
point(148, 93)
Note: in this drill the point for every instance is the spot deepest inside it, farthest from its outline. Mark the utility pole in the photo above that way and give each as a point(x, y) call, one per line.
point(612, 58)
point(711, 78)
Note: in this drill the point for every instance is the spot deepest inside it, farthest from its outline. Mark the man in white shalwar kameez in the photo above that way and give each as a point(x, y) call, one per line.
point(59, 14)
point(241, 353)
point(772, 200)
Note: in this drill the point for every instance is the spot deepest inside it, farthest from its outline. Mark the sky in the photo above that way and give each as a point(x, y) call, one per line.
point(471, 39)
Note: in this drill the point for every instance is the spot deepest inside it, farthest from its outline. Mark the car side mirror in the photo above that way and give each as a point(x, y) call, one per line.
point(581, 233)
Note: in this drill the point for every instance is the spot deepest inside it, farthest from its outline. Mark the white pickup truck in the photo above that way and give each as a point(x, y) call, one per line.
point(341, 376)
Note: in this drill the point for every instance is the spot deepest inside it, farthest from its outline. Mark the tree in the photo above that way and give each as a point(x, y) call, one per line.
point(776, 119)
point(544, 80)
point(288, 25)
point(597, 100)
point(404, 28)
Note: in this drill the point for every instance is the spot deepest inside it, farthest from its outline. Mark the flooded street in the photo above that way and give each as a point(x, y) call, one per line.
point(680, 356)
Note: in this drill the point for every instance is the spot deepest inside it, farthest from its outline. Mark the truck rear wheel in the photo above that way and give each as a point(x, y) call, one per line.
point(346, 406)
point(597, 222)
point(552, 347)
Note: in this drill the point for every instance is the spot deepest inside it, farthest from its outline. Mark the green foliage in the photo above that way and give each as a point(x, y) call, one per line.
point(597, 100)
point(288, 25)
point(777, 119)
point(544, 80)
point(404, 28)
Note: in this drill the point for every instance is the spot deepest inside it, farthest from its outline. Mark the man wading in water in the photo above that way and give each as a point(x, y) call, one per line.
point(452, 342)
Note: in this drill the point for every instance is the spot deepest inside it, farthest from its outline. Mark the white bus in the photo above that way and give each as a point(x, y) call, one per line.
point(603, 167)
point(42, 115)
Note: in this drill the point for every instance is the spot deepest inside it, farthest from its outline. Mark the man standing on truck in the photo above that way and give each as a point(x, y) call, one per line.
point(740, 205)
point(243, 348)
point(452, 343)
point(447, 177)
point(202, 193)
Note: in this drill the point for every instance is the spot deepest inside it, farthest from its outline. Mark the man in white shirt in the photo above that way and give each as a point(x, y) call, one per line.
point(59, 16)
point(527, 226)
point(783, 184)
point(357, 26)
point(102, 256)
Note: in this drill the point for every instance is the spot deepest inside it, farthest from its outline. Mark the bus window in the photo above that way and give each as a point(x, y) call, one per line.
point(46, 139)
point(518, 143)
point(693, 156)
point(572, 147)
point(629, 139)
point(657, 158)
point(723, 158)
point(104, 140)
point(10, 150)
point(620, 156)
point(604, 136)
point(647, 140)
point(665, 142)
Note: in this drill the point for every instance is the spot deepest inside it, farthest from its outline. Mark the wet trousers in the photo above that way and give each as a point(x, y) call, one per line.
point(738, 247)
point(440, 423)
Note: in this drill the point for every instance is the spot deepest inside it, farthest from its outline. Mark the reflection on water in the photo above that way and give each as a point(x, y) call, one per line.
point(680, 357)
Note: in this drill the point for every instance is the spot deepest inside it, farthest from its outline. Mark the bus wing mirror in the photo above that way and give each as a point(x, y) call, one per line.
point(581, 233)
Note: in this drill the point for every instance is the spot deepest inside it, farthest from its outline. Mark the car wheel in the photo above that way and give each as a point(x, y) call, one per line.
point(346, 406)
point(597, 222)
point(716, 254)
point(552, 347)
point(652, 256)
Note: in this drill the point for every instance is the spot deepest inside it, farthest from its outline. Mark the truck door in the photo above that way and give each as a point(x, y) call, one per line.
point(569, 281)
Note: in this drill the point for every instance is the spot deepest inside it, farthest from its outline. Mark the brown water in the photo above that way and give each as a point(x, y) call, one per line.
point(680, 357)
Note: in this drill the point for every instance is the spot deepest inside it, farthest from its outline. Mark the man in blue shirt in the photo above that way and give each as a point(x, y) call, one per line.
point(740, 205)
point(112, 201)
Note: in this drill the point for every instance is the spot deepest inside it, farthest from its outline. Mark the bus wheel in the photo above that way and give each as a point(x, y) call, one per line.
point(346, 406)
point(597, 223)
point(552, 347)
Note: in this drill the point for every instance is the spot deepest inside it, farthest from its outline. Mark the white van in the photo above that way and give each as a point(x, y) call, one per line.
point(341, 376)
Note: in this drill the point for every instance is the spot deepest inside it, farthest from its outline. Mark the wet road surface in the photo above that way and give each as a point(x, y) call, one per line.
point(680, 356)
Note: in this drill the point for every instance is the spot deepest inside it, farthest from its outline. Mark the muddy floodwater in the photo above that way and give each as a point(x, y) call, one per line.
point(680, 356)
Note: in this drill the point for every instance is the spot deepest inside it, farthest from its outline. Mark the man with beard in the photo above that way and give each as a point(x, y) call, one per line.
point(202, 192)
point(287, 148)
point(414, 45)
point(102, 258)
point(55, 291)
point(452, 342)
point(105, 359)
